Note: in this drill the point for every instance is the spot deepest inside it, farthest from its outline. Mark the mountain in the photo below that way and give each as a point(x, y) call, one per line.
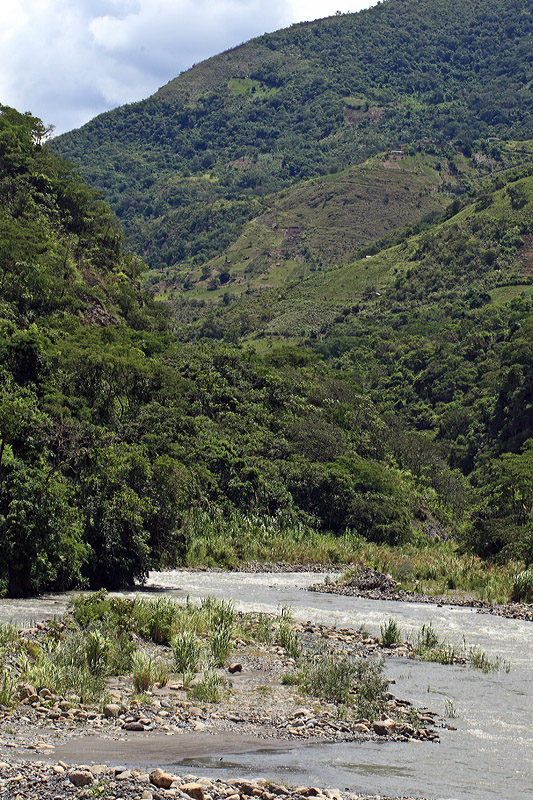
point(186, 169)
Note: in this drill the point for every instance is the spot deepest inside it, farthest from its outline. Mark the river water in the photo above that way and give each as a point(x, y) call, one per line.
point(490, 755)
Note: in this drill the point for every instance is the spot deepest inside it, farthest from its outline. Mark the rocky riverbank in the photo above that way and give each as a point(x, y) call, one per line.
point(374, 585)
point(259, 706)
point(59, 781)
point(256, 699)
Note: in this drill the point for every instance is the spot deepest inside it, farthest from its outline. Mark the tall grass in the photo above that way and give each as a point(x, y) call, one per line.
point(186, 650)
point(227, 539)
point(522, 589)
point(429, 646)
point(63, 668)
point(437, 568)
point(391, 633)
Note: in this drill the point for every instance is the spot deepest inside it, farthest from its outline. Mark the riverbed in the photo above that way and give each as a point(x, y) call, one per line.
point(490, 755)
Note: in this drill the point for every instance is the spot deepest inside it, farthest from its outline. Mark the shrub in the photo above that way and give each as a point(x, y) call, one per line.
point(157, 620)
point(90, 608)
point(371, 688)
point(329, 677)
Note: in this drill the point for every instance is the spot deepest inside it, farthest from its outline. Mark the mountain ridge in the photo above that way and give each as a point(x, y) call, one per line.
point(303, 102)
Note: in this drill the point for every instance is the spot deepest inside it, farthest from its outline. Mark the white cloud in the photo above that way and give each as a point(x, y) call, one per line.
point(68, 60)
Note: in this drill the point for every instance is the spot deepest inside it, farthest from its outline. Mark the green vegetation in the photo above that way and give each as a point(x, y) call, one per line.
point(345, 374)
point(436, 568)
point(186, 651)
point(187, 168)
point(429, 646)
point(357, 684)
point(390, 633)
point(522, 591)
point(329, 677)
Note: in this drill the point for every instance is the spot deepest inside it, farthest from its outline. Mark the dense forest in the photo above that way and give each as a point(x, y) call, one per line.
point(338, 337)
point(112, 432)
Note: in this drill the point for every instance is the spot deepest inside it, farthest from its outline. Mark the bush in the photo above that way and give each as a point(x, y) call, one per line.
point(330, 678)
point(371, 688)
point(158, 620)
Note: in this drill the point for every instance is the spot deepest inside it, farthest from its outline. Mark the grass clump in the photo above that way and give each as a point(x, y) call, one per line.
point(391, 633)
point(64, 668)
point(220, 644)
point(329, 677)
point(186, 650)
point(209, 689)
point(265, 629)
point(479, 659)
point(370, 699)
point(143, 671)
point(8, 688)
point(157, 620)
point(429, 646)
point(8, 634)
point(522, 590)
point(350, 684)
point(287, 636)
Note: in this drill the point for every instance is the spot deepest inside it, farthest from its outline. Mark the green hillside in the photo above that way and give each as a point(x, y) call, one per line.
point(187, 168)
point(120, 446)
point(338, 221)
point(322, 222)
point(437, 331)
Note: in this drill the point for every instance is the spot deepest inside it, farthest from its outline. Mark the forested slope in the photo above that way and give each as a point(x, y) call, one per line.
point(185, 169)
point(112, 433)
point(346, 337)
point(437, 331)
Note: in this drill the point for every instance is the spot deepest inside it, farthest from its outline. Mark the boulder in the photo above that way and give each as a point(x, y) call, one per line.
point(384, 727)
point(111, 710)
point(81, 777)
point(161, 779)
point(194, 790)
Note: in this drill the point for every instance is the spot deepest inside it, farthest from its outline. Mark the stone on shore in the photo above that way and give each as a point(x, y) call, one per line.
point(162, 779)
point(81, 777)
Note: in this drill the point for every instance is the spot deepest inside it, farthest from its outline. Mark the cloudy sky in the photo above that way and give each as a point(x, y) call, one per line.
point(68, 60)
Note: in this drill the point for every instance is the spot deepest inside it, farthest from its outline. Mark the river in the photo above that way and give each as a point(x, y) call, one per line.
point(490, 755)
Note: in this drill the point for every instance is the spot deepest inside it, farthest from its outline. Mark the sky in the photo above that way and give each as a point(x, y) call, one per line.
point(66, 61)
